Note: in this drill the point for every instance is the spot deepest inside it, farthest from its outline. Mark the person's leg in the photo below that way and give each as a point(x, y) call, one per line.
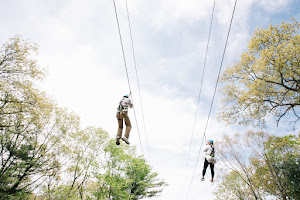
point(120, 117)
point(204, 168)
point(128, 126)
point(212, 166)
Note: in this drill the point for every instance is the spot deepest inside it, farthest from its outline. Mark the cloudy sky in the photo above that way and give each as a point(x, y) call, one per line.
point(79, 45)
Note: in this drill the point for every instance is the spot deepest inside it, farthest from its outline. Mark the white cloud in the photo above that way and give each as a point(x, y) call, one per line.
point(274, 5)
point(161, 12)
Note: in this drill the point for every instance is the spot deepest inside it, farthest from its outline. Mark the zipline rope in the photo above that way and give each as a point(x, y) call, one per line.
point(116, 13)
point(211, 105)
point(137, 79)
point(125, 64)
point(199, 96)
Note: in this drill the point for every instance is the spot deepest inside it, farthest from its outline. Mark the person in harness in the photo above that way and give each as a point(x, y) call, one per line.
point(209, 159)
point(122, 115)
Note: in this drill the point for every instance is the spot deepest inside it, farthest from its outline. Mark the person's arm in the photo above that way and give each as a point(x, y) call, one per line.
point(206, 148)
point(130, 104)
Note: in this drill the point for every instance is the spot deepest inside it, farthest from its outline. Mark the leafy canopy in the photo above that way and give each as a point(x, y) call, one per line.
point(259, 166)
point(43, 152)
point(266, 79)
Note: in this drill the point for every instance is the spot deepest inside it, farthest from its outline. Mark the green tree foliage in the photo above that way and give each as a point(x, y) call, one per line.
point(260, 166)
point(233, 187)
point(127, 176)
point(281, 166)
point(234, 152)
point(79, 160)
point(266, 80)
point(44, 153)
point(31, 126)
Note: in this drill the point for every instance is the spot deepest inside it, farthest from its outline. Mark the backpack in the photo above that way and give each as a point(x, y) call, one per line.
point(121, 107)
point(212, 155)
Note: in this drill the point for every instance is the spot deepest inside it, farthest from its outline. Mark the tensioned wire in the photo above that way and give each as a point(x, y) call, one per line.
point(211, 105)
point(199, 96)
point(125, 65)
point(137, 79)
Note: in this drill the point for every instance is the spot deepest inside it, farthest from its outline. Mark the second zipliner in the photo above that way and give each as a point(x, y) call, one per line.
point(209, 159)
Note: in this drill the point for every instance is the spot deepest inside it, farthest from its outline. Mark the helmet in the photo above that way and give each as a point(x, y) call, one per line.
point(211, 141)
point(125, 95)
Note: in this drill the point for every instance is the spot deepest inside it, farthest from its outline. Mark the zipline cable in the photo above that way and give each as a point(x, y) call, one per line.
point(211, 105)
point(135, 66)
point(125, 64)
point(199, 96)
point(137, 79)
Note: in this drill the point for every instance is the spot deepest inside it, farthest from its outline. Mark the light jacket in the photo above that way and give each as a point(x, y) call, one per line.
point(208, 149)
point(124, 104)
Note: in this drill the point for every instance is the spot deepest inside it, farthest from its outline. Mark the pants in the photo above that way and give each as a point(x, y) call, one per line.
point(206, 163)
point(122, 116)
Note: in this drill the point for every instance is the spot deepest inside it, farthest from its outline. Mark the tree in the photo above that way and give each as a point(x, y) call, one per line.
point(238, 181)
point(31, 125)
point(43, 152)
point(260, 166)
point(142, 182)
point(126, 176)
point(233, 187)
point(266, 80)
point(280, 164)
point(80, 160)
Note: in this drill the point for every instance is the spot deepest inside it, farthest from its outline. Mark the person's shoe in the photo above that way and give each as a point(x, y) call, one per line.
point(125, 139)
point(118, 141)
point(202, 179)
point(212, 180)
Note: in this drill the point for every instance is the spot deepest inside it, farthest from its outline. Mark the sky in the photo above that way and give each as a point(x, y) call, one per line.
point(80, 47)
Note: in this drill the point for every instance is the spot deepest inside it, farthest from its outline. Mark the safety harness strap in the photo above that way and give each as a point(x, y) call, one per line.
point(121, 107)
point(212, 153)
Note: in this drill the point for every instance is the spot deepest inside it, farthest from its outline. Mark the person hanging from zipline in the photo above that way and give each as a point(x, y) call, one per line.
point(209, 159)
point(122, 114)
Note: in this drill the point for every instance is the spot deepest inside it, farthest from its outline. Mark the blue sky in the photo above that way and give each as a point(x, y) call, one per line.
point(79, 45)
